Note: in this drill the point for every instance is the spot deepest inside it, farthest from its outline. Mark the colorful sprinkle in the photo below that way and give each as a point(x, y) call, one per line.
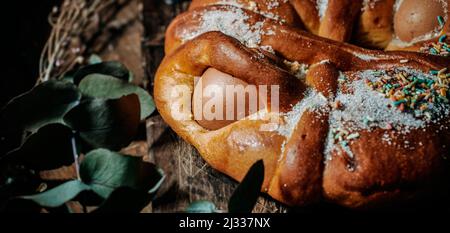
point(352, 136)
point(368, 120)
point(434, 72)
point(440, 47)
point(343, 137)
point(410, 93)
point(441, 20)
point(389, 126)
point(404, 61)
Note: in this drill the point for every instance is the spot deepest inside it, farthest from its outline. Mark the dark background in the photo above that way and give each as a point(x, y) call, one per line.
point(24, 30)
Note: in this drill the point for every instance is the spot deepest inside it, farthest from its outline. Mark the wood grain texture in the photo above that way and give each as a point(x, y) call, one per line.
point(189, 178)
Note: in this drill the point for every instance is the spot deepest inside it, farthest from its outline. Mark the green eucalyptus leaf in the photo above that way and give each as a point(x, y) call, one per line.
point(156, 178)
point(94, 59)
point(45, 104)
point(246, 194)
point(133, 199)
point(111, 68)
point(126, 183)
point(201, 207)
point(103, 123)
point(67, 78)
point(49, 148)
point(108, 87)
point(105, 171)
point(59, 195)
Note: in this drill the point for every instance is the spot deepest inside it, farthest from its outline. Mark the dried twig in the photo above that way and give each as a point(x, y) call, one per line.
point(65, 46)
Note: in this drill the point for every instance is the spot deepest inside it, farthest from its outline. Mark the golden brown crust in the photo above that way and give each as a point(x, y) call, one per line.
point(368, 23)
point(383, 171)
point(373, 20)
point(307, 10)
point(278, 10)
point(300, 171)
point(323, 77)
point(297, 169)
point(340, 16)
point(300, 181)
point(375, 24)
point(301, 166)
point(283, 38)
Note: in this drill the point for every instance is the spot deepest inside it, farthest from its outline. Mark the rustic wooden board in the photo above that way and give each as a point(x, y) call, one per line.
point(189, 178)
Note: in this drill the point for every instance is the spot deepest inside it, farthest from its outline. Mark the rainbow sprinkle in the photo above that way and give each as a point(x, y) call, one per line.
point(441, 20)
point(441, 47)
point(343, 137)
point(410, 93)
point(438, 48)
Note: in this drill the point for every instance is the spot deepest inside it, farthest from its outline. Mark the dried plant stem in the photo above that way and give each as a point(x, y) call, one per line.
point(63, 48)
point(75, 157)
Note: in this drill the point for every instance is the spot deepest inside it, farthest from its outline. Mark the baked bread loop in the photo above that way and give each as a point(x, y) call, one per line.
point(375, 28)
point(356, 127)
point(339, 18)
point(392, 24)
point(369, 20)
point(413, 25)
point(337, 139)
point(279, 10)
point(242, 138)
point(308, 10)
point(256, 31)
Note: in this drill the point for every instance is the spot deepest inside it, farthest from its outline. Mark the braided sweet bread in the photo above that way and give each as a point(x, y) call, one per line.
point(391, 24)
point(356, 127)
